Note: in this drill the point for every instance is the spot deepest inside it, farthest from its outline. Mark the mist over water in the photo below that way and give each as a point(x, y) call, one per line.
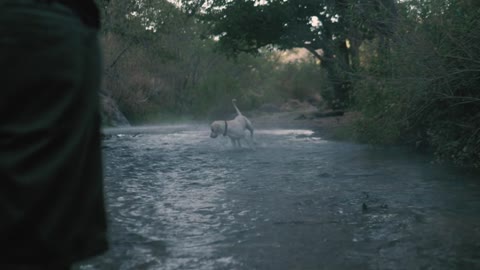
point(178, 199)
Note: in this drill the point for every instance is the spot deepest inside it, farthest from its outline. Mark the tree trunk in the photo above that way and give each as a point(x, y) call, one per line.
point(341, 86)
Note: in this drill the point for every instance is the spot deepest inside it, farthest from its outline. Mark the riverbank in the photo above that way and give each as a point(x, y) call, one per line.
point(342, 128)
point(332, 128)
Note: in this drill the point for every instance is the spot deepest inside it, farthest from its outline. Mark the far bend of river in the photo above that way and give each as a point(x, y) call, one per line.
point(178, 199)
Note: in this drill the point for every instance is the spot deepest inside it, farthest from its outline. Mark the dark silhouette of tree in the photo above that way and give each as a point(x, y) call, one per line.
point(332, 30)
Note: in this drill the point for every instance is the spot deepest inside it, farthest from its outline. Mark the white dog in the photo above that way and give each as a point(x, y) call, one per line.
point(234, 129)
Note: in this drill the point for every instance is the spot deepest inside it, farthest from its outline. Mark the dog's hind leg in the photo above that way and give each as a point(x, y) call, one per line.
point(251, 131)
point(235, 143)
point(249, 126)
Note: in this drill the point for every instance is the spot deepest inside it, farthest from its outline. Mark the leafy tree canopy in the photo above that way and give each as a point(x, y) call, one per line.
point(247, 25)
point(332, 30)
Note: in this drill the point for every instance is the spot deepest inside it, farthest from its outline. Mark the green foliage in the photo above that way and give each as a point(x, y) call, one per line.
point(158, 66)
point(254, 81)
point(245, 26)
point(296, 80)
point(320, 26)
point(423, 90)
point(382, 113)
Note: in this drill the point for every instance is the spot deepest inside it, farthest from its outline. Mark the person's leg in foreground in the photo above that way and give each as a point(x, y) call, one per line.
point(51, 188)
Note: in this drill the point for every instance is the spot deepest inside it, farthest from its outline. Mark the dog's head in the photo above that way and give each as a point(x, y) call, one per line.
point(215, 129)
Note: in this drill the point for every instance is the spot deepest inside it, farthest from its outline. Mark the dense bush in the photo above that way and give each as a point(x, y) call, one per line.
point(424, 90)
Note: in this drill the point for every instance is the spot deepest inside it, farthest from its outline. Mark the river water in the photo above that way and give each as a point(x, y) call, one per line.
point(178, 199)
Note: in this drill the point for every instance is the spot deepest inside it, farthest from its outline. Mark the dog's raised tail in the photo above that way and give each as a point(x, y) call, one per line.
point(234, 102)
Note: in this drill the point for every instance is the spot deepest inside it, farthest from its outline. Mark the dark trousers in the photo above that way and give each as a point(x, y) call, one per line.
point(51, 190)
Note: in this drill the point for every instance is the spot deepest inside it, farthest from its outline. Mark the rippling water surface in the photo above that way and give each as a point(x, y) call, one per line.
point(180, 200)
